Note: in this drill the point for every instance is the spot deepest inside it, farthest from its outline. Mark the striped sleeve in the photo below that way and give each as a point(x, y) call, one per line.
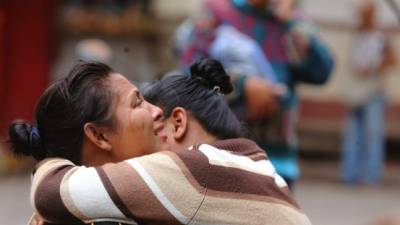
point(45, 196)
point(139, 190)
point(202, 185)
point(65, 193)
point(250, 189)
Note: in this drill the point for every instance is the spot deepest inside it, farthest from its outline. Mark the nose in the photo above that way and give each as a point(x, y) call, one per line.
point(156, 112)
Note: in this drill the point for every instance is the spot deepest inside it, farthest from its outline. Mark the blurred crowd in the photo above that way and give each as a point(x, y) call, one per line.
point(268, 47)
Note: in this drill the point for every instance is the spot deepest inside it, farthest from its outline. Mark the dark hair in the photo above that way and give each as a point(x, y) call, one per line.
point(63, 109)
point(201, 94)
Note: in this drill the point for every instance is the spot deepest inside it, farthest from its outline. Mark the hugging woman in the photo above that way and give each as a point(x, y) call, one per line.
point(209, 175)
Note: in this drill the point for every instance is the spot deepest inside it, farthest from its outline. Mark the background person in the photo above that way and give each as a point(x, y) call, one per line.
point(296, 55)
point(363, 141)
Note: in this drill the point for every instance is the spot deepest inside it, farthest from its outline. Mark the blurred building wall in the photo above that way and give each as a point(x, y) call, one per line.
point(176, 8)
point(25, 56)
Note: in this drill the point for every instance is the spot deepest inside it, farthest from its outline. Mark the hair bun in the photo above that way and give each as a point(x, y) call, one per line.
point(213, 73)
point(25, 141)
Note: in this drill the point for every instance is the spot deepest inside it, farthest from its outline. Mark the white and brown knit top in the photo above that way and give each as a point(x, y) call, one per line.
point(229, 182)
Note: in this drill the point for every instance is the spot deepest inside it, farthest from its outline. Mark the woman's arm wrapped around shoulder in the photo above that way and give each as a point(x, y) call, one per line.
point(133, 191)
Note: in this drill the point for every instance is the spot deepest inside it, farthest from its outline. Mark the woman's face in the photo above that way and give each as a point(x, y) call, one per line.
point(138, 123)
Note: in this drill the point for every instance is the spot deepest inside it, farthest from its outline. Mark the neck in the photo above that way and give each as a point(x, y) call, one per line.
point(196, 135)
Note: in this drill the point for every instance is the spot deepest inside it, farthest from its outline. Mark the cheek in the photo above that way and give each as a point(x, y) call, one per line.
point(140, 130)
point(137, 121)
point(143, 122)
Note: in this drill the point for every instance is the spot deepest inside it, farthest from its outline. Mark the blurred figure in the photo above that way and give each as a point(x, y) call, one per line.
point(363, 143)
point(240, 53)
point(93, 49)
point(289, 46)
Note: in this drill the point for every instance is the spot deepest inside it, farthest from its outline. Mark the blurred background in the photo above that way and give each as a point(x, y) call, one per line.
point(40, 40)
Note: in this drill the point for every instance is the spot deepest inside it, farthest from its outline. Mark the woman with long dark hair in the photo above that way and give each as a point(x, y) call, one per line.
point(210, 175)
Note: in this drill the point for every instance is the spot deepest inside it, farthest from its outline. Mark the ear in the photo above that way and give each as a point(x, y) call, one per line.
point(179, 121)
point(97, 136)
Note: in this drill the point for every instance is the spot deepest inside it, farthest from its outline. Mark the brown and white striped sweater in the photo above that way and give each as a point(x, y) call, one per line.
point(229, 182)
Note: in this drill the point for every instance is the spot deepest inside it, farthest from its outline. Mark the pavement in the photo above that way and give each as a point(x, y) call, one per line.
point(325, 200)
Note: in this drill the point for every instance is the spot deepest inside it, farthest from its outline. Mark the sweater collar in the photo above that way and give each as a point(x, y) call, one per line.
point(241, 146)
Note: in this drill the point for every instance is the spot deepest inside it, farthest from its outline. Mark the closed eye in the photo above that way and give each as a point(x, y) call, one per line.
point(138, 100)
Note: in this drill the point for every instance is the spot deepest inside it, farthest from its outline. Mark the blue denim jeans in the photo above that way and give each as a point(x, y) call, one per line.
point(363, 150)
